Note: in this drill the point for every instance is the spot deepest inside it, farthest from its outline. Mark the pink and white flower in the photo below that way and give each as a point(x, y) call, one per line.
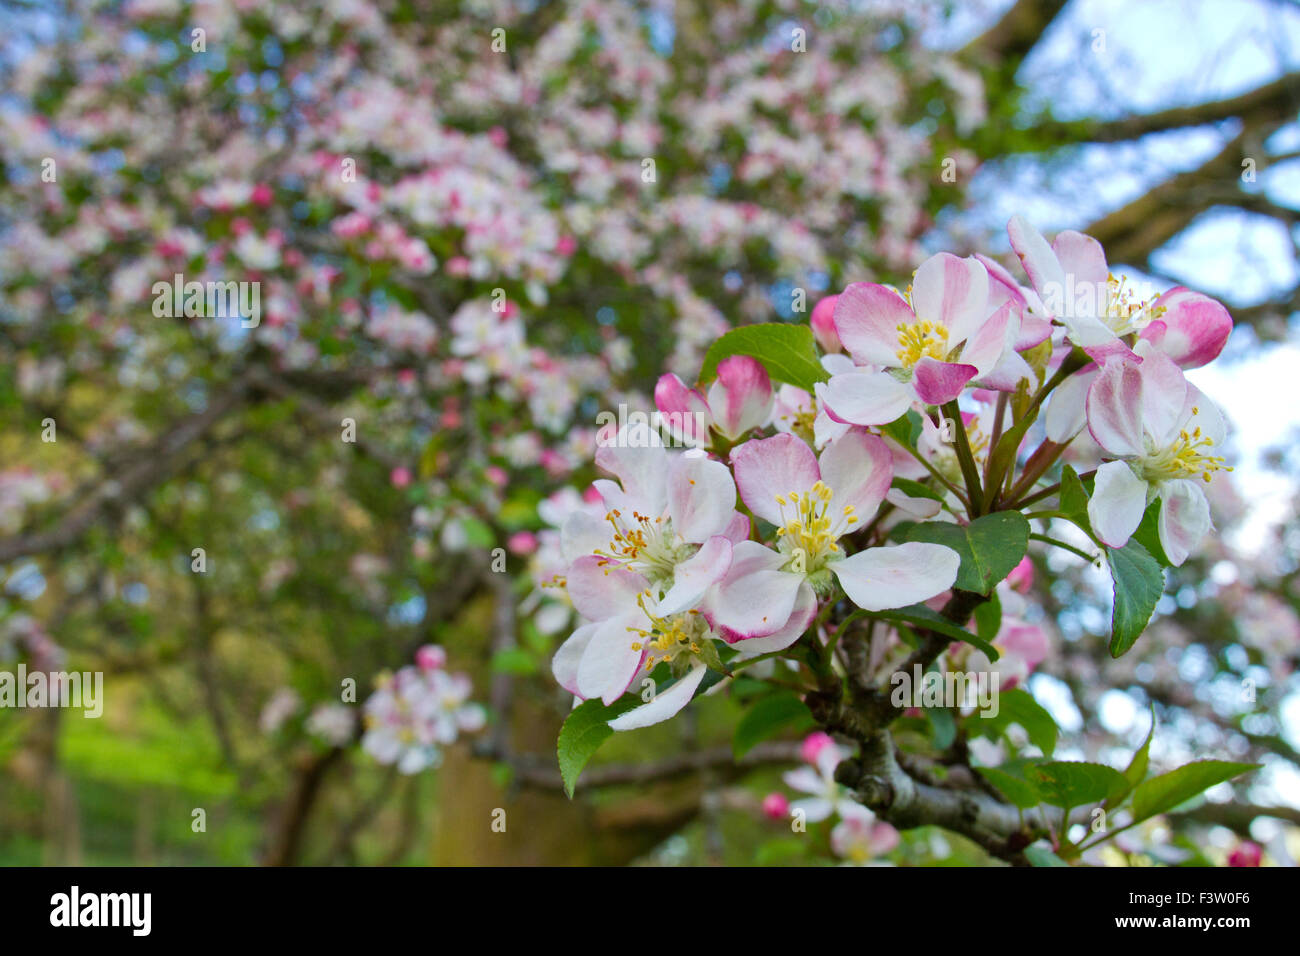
point(1162, 433)
point(666, 539)
point(924, 346)
point(739, 400)
point(814, 502)
point(1098, 310)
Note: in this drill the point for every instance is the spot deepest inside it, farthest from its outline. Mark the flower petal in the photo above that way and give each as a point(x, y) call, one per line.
point(864, 397)
point(768, 467)
point(822, 321)
point(1040, 262)
point(701, 496)
point(1066, 414)
point(867, 317)
point(953, 292)
point(582, 534)
point(637, 457)
point(1192, 331)
point(1114, 409)
point(858, 467)
point(1119, 499)
point(610, 661)
point(939, 382)
point(896, 576)
point(1184, 518)
point(990, 340)
point(564, 665)
point(755, 598)
point(664, 705)
point(1164, 393)
point(694, 576)
point(685, 410)
point(741, 398)
point(805, 609)
point(1082, 257)
point(600, 591)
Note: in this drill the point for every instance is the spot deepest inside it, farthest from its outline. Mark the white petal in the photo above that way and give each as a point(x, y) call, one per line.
point(805, 609)
point(565, 663)
point(701, 496)
point(694, 576)
point(1184, 518)
point(864, 397)
point(896, 576)
point(663, 705)
point(1066, 414)
point(609, 663)
point(1118, 501)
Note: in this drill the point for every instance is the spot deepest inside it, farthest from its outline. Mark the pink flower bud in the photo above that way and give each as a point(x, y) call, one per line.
point(814, 744)
point(1246, 853)
point(1021, 577)
point(776, 806)
point(522, 542)
point(430, 657)
point(823, 324)
point(400, 476)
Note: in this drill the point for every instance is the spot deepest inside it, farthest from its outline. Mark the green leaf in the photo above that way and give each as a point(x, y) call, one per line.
point(1019, 707)
point(1004, 455)
point(1039, 855)
point(1139, 581)
point(990, 547)
point(1075, 784)
point(918, 615)
point(1074, 499)
point(584, 730)
point(780, 711)
point(1148, 534)
point(514, 660)
point(1168, 790)
point(1137, 767)
point(786, 351)
point(988, 618)
point(906, 429)
point(915, 489)
point(943, 729)
point(1009, 780)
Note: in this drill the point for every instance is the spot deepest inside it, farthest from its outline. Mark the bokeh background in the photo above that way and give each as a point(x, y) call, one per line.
point(624, 181)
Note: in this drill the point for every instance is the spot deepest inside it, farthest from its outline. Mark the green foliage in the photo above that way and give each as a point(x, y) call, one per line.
point(1138, 584)
point(788, 352)
point(920, 616)
point(584, 730)
point(1168, 790)
point(990, 546)
point(769, 716)
point(1068, 784)
point(1018, 706)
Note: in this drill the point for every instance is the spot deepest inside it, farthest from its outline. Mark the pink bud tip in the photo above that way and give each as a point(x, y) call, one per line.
point(776, 806)
point(430, 657)
point(814, 744)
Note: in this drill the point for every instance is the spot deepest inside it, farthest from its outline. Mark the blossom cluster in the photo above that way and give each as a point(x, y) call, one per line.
point(418, 711)
point(779, 503)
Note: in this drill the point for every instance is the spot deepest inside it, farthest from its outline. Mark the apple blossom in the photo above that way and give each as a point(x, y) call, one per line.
point(814, 502)
point(1161, 433)
point(1099, 311)
point(924, 346)
point(739, 401)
